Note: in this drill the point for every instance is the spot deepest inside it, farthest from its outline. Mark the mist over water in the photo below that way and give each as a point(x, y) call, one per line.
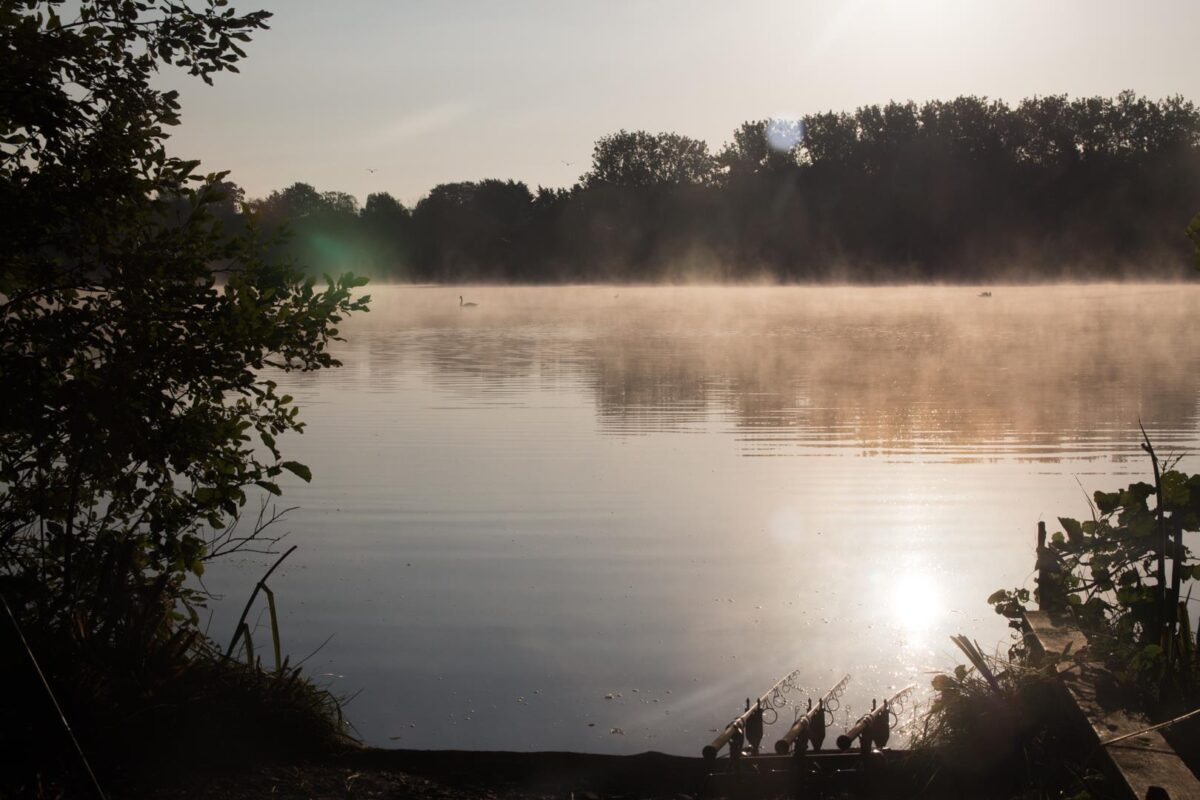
point(572, 510)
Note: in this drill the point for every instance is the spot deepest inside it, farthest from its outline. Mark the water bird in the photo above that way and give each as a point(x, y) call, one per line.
point(461, 304)
point(985, 294)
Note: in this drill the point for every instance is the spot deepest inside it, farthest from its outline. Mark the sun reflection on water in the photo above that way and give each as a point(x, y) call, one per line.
point(916, 604)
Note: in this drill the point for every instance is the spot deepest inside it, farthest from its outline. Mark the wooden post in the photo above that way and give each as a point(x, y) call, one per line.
point(1051, 594)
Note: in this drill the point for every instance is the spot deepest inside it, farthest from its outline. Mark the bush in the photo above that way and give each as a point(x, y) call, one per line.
point(137, 336)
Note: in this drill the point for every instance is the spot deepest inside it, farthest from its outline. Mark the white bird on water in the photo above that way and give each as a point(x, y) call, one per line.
point(461, 304)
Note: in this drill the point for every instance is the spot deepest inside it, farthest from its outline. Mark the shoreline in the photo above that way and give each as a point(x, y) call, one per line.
point(544, 771)
point(370, 772)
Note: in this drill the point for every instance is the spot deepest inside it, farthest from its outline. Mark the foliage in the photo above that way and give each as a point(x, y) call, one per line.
point(136, 339)
point(761, 146)
point(315, 228)
point(1123, 574)
point(462, 226)
point(190, 711)
point(962, 189)
point(301, 200)
point(641, 160)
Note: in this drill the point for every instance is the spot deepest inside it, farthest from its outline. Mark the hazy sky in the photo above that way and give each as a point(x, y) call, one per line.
point(432, 92)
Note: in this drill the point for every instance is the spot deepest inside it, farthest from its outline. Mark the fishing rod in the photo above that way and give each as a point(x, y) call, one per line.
point(875, 727)
point(749, 725)
point(810, 726)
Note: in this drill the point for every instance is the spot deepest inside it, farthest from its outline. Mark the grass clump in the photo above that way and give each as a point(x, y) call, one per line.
point(172, 706)
point(999, 728)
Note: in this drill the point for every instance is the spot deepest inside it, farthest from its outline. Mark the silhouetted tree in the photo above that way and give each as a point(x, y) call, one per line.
point(761, 146)
point(138, 409)
point(322, 228)
point(387, 229)
point(294, 203)
point(473, 230)
point(641, 160)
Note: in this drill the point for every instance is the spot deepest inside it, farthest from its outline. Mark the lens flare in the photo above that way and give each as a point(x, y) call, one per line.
point(783, 134)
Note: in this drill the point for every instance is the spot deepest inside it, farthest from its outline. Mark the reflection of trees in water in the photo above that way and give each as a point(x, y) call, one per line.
point(913, 379)
point(933, 387)
point(1041, 370)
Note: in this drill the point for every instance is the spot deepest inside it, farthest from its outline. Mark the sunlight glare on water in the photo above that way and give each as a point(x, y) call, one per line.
point(568, 510)
point(915, 601)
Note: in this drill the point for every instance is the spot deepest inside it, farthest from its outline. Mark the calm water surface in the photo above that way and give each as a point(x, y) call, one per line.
point(598, 518)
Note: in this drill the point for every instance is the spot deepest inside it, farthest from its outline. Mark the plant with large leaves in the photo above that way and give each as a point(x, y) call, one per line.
point(1122, 574)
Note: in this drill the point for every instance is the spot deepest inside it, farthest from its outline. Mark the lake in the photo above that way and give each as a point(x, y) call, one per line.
point(599, 518)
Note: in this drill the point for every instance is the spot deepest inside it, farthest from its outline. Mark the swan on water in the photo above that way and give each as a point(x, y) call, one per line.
point(461, 304)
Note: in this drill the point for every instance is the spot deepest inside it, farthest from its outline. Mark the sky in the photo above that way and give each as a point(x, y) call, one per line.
point(424, 93)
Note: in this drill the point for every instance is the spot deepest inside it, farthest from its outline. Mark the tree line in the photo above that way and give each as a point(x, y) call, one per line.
point(960, 190)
